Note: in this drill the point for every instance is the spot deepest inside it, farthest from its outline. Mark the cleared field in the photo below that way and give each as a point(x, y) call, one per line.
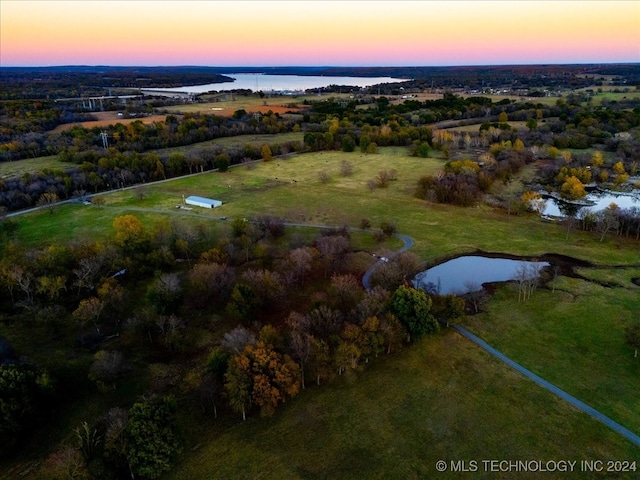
point(227, 104)
point(31, 165)
point(109, 118)
point(238, 141)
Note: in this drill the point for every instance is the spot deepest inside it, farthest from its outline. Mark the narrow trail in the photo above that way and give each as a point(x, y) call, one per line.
point(580, 405)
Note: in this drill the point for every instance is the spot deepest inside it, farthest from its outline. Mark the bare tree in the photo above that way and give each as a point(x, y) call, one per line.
point(346, 168)
point(475, 294)
point(323, 176)
point(526, 278)
point(299, 262)
point(238, 338)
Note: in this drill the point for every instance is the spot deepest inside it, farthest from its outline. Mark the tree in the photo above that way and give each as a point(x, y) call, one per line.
point(89, 310)
point(266, 154)
point(299, 262)
point(165, 293)
point(608, 219)
point(129, 232)
point(213, 378)
point(526, 278)
point(475, 294)
point(532, 124)
point(210, 281)
point(22, 387)
point(262, 376)
point(412, 307)
point(597, 159)
point(89, 440)
point(345, 292)
point(152, 441)
point(237, 339)
point(573, 188)
point(447, 308)
point(107, 366)
point(48, 200)
point(618, 168)
point(301, 346)
point(632, 334)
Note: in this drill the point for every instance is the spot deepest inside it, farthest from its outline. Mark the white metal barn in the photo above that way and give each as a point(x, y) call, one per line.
point(202, 202)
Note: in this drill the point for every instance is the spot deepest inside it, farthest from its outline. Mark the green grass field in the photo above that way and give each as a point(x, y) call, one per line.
point(31, 165)
point(442, 398)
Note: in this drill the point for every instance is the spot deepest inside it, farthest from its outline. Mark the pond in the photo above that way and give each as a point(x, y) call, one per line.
point(467, 273)
point(594, 201)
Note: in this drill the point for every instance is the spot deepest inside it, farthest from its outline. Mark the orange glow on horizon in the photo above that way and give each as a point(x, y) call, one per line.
point(433, 32)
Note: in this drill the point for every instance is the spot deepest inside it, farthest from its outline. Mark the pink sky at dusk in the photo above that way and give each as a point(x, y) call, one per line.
point(263, 32)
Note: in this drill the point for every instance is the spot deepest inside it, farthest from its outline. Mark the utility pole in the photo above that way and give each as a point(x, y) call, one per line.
point(105, 139)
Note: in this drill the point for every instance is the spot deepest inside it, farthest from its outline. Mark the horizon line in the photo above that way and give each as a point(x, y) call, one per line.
point(637, 62)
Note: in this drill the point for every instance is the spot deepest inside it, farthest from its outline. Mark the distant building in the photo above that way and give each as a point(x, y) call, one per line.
point(202, 202)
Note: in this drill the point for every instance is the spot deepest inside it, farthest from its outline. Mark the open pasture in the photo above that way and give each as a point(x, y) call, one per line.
point(442, 398)
point(105, 119)
point(226, 104)
point(292, 189)
point(31, 165)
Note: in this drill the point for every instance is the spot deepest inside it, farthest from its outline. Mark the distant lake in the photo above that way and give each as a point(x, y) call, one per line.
point(281, 83)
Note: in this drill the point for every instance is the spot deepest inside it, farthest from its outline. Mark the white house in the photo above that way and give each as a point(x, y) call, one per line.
point(202, 202)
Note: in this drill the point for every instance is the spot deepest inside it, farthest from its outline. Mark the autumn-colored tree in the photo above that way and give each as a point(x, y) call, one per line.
point(533, 201)
point(573, 188)
point(604, 176)
point(618, 168)
point(373, 341)
point(597, 159)
point(503, 117)
point(129, 232)
point(262, 374)
point(266, 154)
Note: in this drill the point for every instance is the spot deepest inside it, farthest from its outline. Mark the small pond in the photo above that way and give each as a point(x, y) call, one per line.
point(468, 273)
point(597, 200)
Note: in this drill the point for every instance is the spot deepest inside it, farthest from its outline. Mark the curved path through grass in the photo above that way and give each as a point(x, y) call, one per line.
point(580, 405)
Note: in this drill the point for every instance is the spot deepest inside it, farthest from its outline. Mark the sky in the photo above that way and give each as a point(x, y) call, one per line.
point(334, 32)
